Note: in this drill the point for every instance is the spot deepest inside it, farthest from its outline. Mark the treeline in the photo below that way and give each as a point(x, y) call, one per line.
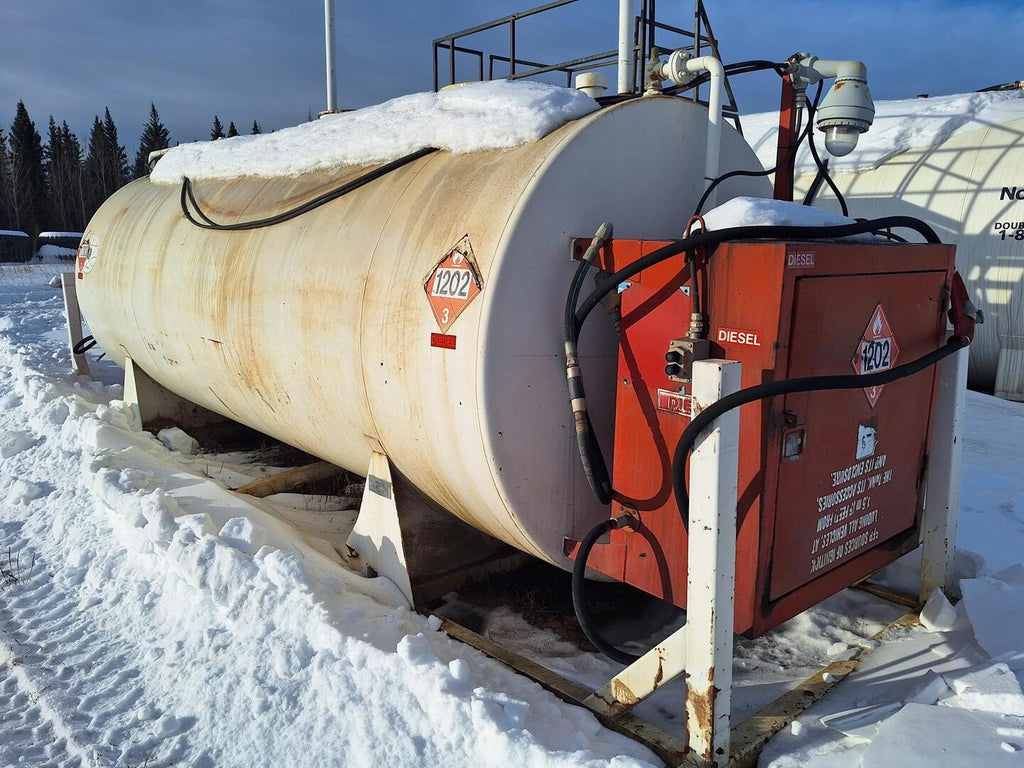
point(59, 184)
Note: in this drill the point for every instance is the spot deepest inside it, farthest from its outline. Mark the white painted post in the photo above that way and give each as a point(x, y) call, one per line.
point(73, 315)
point(332, 90)
point(711, 573)
point(942, 491)
point(626, 46)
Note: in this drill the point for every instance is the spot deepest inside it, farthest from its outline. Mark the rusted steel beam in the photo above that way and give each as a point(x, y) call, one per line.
point(290, 478)
point(656, 668)
point(887, 593)
point(669, 748)
point(750, 736)
point(746, 740)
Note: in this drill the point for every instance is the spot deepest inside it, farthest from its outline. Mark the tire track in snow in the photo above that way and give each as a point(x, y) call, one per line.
point(85, 696)
point(69, 691)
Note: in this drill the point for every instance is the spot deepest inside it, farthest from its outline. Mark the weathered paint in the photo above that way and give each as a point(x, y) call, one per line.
point(323, 325)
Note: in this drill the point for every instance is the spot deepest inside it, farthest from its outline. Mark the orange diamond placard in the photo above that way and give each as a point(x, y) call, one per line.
point(876, 352)
point(452, 284)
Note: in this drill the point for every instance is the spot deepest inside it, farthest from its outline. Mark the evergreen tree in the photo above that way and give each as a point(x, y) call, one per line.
point(30, 205)
point(96, 171)
point(232, 131)
point(255, 128)
point(154, 136)
point(218, 129)
point(64, 178)
point(106, 165)
point(6, 185)
point(120, 174)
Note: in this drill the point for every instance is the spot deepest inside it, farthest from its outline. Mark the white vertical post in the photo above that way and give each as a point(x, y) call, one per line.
point(942, 492)
point(79, 363)
point(332, 90)
point(626, 45)
point(711, 572)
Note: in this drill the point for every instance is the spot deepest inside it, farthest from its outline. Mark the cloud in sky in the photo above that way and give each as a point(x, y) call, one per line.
point(262, 60)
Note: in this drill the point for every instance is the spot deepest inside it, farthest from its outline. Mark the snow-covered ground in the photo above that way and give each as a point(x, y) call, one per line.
point(149, 616)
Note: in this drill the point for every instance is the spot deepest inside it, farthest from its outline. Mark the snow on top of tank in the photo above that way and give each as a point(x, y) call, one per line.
point(12, 233)
point(61, 234)
point(470, 118)
point(761, 211)
point(899, 125)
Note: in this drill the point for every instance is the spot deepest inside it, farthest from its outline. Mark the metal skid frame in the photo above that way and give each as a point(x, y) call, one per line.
point(702, 651)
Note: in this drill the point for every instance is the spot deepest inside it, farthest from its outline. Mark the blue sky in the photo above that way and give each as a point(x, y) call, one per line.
point(263, 60)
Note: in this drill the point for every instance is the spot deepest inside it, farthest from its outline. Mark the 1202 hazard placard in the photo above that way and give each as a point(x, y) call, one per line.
point(452, 284)
point(877, 351)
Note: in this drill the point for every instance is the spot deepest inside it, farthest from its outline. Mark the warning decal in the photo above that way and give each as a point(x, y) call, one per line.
point(452, 284)
point(877, 351)
point(88, 249)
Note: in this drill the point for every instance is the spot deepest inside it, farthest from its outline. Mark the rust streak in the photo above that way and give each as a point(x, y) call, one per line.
point(700, 711)
point(660, 674)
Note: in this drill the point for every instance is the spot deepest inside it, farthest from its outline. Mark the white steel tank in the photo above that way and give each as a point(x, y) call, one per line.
point(318, 331)
point(970, 188)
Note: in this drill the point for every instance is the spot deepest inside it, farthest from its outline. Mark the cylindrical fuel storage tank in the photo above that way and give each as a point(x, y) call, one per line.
point(970, 188)
point(320, 331)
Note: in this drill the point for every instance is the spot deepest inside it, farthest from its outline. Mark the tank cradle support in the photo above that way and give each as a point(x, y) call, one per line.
point(155, 405)
point(73, 315)
point(424, 551)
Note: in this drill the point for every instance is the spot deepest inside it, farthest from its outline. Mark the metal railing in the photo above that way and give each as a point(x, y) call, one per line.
point(447, 50)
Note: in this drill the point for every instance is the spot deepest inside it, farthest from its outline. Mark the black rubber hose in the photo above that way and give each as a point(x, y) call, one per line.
point(823, 170)
point(736, 68)
point(84, 345)
point(187, 196)
point(812, 191)
point(776, 232)
point(591, 456)
point(579, 574)
point(603, 234)
point(786, 387)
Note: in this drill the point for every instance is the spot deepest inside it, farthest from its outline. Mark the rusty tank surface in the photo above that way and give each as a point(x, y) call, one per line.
point(418, 316)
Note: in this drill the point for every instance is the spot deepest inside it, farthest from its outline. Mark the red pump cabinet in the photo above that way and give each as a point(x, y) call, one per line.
point(830, 482)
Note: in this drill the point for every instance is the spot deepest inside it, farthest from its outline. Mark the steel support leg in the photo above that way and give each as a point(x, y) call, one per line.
point(703, 647)
point(942, 492)
point(711, 574)
point(377, 536)
point(74, 317)
point(156, 405)
point(426, 552)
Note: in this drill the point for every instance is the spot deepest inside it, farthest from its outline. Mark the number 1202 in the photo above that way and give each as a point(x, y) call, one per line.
point(451, 283)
